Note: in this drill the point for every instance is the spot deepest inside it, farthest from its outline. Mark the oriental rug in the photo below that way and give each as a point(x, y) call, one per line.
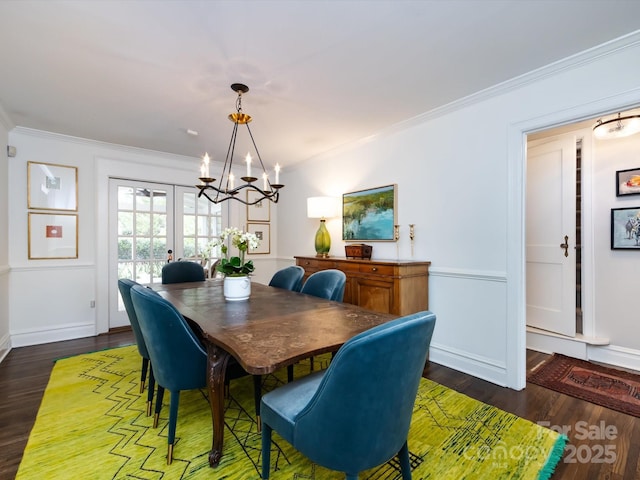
point(92, 425)
point(608, 387)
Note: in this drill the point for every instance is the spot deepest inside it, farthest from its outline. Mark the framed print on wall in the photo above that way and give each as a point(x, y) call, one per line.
point(263, 232)
point(52, 187)
point(260, 211)
point(628, 182)
point(370, 214)
point(625, 228)
point(53, 235)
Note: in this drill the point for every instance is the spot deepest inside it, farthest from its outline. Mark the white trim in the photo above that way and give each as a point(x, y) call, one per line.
point(37, 336)
point(97, 143)
point(488, 276)
point(65, 267)
point(615, 355)
point(5, 269)
point(516, 295)
point(475, 365)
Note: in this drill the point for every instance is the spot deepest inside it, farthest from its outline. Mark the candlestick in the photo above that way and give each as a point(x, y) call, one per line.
point(277, 174)
point(232, 177)
point(264, 181)
point(206, 165)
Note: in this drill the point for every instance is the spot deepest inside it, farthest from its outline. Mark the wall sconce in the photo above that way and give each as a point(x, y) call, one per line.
point(323, 208)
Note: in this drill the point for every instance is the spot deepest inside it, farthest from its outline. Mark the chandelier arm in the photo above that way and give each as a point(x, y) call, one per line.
point(273, 196)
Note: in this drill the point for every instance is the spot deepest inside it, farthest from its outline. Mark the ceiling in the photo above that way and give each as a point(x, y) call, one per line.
point(321, 73)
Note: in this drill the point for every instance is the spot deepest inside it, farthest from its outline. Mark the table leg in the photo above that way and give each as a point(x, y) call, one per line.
point(217, 359)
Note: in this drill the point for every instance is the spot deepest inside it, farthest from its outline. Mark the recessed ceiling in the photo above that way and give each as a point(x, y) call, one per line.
point(321, 73)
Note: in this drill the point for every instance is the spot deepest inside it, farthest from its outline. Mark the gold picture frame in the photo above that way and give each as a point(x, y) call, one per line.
point(53, 236)
point(52, 187)
point(263, 232)
point(259, 212)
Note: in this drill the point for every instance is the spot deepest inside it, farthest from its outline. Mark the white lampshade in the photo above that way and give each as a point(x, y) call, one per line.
point(323, 207)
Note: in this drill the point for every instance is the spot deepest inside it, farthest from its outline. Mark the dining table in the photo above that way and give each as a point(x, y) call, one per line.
point(274, 328)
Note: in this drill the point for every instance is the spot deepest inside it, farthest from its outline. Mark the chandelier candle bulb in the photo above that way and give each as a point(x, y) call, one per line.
point(232, 178)
point(264, 181)
point(277, 169)
point(248, 160)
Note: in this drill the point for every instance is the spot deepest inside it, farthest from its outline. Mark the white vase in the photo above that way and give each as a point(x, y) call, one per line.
point(237, 288)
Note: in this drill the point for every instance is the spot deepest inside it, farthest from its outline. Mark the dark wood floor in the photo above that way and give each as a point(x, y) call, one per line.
point(595, 452)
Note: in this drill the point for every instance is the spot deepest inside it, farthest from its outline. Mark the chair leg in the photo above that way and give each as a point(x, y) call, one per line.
point(143, 374)
point(289, 373)
point(266, 451)
point(152, 387)
point(405, 465)
point(173, 419)
point(257, 396)
point(159, 398)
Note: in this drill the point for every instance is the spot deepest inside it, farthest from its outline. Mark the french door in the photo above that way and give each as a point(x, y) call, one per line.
point(146, 220)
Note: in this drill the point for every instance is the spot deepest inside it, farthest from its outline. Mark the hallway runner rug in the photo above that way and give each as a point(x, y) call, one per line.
point(608, 387)
point(92, 425)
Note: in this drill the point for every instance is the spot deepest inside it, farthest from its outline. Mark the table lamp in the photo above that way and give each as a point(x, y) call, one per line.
point(323, 208)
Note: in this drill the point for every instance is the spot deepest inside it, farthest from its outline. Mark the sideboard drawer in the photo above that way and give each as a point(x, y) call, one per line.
point(377, 269)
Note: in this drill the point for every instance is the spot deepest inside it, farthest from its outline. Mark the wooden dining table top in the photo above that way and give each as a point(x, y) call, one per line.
point(274, 327)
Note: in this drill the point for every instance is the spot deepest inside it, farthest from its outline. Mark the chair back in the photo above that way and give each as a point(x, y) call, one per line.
point(289, 278)
point(125, 285)
point(327, 284)
point(178, 360)
point(360, 414)
point(182, 271)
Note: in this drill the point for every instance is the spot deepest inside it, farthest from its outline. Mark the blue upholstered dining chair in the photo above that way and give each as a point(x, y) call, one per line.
point(289, 278)
point(327, 284)
point(125, 285)
point(355, 415)
point(177, 358)
point(182, 271)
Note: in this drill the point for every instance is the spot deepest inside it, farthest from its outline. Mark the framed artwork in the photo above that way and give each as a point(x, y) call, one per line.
point(370, 214)
point(628, 182)
point(263, 232)
point(625, 228)
point(52, 187)
point(260, 211)
point(53, 235)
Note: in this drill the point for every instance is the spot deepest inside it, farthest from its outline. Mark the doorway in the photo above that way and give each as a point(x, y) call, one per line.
point(147, 221)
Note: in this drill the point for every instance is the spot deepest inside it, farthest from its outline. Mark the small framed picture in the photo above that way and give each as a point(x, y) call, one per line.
point(52, 187)
point(257, 211)
point(53, 236)
point(628, 182)
point(625, 228)
point(263, 232)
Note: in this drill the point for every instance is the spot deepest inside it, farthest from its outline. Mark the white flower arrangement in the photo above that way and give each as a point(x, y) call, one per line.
point(243, 241)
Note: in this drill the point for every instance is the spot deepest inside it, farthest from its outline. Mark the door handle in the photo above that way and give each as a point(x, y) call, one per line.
point(565, 245)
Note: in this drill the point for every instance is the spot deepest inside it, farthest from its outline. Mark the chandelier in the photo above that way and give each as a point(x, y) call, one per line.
point(617, 127)
point(225, 188)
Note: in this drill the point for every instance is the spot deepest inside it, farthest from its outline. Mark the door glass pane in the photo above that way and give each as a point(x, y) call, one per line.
point(125, 223)
point(189, 203)
point(159, 200)
point(125, 249)
point(125, 198)
point(143, 224)
point(143, 199)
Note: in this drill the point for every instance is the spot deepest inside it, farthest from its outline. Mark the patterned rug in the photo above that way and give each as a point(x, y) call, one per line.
point(609, 387)
point(92, 425)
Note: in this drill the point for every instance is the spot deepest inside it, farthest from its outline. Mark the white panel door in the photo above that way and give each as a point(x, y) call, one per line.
point(550, 235)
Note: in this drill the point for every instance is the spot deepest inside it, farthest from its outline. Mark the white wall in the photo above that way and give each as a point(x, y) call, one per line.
point(50, 299)
point(460, 175)
point(616, 271)
point(5, 341)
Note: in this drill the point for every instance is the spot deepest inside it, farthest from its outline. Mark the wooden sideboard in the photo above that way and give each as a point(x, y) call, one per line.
point(387, 286)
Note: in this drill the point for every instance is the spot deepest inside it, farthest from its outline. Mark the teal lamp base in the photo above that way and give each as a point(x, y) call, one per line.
point(323, 240)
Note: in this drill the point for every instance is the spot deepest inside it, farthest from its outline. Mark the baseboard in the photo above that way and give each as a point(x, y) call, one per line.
point(5, 347)
point(549, 342)
point(615, 355)
point(60, 333)
point(474, 365)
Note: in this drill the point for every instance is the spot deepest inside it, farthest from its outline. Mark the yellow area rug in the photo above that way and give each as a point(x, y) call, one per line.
point(92, 425)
